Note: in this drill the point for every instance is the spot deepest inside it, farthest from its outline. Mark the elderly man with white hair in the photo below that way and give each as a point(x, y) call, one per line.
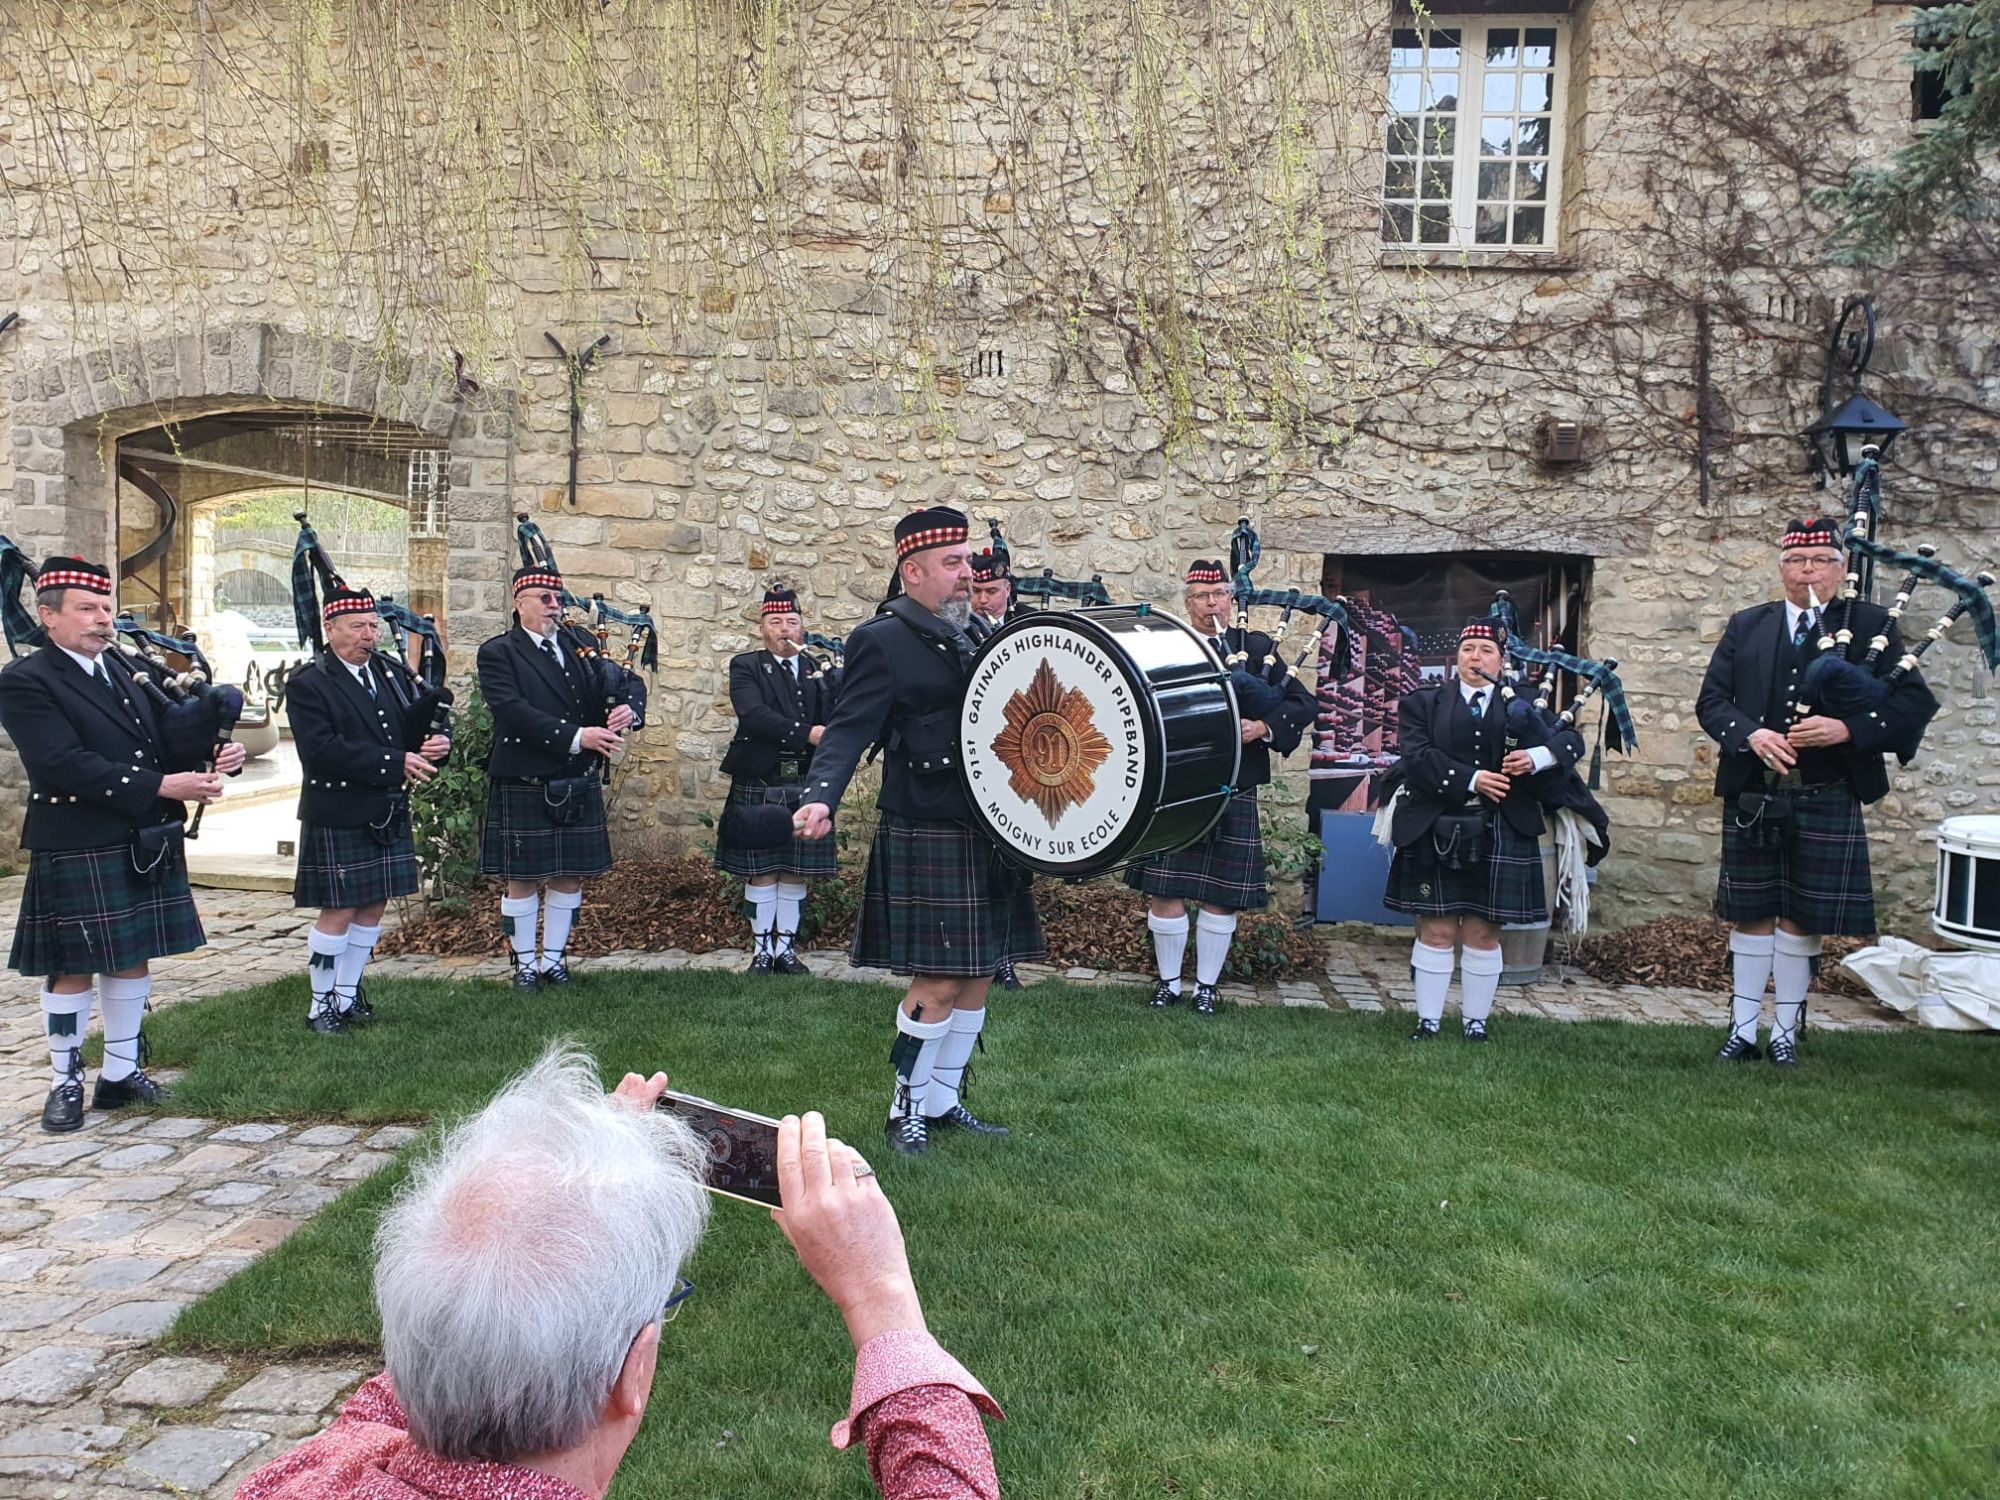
point(523, 1274)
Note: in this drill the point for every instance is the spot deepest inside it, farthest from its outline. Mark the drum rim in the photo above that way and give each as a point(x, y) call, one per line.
point(1152, 783)
point(1968, 840)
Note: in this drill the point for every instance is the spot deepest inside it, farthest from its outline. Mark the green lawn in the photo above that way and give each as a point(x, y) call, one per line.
point(1283, 1253)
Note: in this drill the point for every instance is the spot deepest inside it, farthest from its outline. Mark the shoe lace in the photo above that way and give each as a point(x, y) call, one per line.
point(1782, 1049)
point(911, 1128)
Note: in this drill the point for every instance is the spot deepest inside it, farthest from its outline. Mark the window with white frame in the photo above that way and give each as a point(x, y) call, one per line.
point(430, 490)
point(1472, 153)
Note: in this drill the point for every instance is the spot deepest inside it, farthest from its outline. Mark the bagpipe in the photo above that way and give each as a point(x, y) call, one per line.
point(1260, 684)
point(835, 647)
point(1045, 586)
point(1835, 683)
point(1593, 677)
point(420, 691)
point(585, 631)
point(196, 714)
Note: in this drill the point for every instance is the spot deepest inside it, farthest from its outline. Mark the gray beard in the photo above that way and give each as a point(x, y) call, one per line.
point(956, 612)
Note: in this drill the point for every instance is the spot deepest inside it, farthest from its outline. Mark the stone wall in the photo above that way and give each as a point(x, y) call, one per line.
point(725, 446)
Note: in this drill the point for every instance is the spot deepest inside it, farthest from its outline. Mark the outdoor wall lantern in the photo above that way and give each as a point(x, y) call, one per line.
point(1835, 441)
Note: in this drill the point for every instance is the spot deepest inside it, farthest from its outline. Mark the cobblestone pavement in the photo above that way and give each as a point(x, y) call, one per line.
point(106, 1234)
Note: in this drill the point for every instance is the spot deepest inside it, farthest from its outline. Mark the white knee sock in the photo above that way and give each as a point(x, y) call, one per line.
point(1750, 962)
point(791, 898)
point(1433, 968)
point(558, 912)
point(124, 1003)
point(1791, 977)
point(1169, 946)
point(517, 920)
point(66, 1018)
point(1478, 982)
point(323, 954)
point(1212, 933)
point(917, 1046)
point(347, 970)
point(954, 1057)
point(763, 914)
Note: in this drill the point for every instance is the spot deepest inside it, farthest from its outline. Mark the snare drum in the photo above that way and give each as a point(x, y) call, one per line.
point(1095, 737)
point(1968, 883)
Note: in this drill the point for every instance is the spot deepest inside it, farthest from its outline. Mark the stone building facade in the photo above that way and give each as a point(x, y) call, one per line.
point(1632, 250)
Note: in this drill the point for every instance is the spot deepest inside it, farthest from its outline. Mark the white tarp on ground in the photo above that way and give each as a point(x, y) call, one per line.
point(1944, 991)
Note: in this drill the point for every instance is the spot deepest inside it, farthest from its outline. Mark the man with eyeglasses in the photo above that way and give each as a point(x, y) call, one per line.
point(1794, 847)
point(553, 731)
point(1224, 873)
point(523, 1275)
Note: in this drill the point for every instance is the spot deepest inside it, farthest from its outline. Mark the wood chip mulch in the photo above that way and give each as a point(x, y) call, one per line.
point(684, 903)
point(1693, 953)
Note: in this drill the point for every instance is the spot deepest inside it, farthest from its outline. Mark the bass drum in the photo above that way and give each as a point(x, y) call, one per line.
point(1095, 737)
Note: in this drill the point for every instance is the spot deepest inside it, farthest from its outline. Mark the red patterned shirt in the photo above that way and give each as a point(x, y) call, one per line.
point(914, 1409)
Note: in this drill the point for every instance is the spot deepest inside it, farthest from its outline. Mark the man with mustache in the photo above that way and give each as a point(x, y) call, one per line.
point(105, 893)
point(938, 904)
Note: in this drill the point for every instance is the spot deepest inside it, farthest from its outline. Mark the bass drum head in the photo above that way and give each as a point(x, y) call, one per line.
point(1061, 750)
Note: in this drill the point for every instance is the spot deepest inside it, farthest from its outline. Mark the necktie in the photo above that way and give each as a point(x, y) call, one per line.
point(1805, 628)
point(368, 681)
point(1479, 705)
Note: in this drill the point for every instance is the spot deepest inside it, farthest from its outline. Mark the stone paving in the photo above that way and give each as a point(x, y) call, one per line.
point(106, 1234)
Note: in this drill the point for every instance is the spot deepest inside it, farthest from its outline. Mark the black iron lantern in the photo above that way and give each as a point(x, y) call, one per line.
point(1838, 437)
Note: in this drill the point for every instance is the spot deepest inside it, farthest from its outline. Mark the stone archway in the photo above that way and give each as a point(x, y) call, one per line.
point(69, 415)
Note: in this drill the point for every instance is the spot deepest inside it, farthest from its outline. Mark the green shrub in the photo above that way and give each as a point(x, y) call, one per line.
point(447, 812)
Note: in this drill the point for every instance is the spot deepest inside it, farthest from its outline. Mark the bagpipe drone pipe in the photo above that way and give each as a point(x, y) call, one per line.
point(1260, 682)
point(585, 629)
point(1042, 590)
point(420, 691)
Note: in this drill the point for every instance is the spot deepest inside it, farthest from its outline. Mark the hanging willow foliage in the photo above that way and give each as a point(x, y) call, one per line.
point(1176, 187)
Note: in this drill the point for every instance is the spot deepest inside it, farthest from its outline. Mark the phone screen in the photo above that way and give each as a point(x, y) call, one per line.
point(742, 1147)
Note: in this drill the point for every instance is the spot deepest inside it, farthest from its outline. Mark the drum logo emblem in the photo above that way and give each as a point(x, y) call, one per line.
point(1051, 745)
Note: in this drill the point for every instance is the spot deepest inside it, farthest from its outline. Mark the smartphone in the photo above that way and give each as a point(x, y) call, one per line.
point(742, 1147)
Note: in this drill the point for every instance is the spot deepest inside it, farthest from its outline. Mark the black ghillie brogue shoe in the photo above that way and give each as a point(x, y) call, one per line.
point(958, 1117)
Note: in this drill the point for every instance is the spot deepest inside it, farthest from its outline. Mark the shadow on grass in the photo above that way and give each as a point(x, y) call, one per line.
point(1280, 1253)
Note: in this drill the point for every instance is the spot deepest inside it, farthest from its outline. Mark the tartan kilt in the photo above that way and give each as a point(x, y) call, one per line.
point(1226, 869)
point(1506, 887)
point(807, 859)
point(927, 906)
point(523, 842)
point(86, 911)
point(1818, 880)
point(351, 867)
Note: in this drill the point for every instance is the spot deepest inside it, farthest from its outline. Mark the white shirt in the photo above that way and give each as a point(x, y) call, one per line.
point(360, 671)
point(1541, 757)
point(88, 663)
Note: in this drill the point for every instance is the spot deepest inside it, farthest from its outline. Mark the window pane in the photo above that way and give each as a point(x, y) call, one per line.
point(1528, 226)
point(1540, 51)
point(1440, 135)
point(1441, 90)
point(1502, 47)
point(1491, 228)
point(1403, 136)
point(1434, 225)
point(1406, 49)
point(1500, 91)
point(1437, 181)
point(1531, 181)
point(1399, 179)
point(1534, 137)
point(1496, 135)
point(1406, 93)
point(1396, 220)
point(1494, 179)
point(1536, 90)
point(1444, 48)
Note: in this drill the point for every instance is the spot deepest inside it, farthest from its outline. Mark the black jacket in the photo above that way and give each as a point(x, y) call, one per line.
point(902, 687)
point(775, 714)
point(1753, 681)
point(350, 746)
point(1296, 713)
point(538, 707)
point(94, 758)
point(1442, 745)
